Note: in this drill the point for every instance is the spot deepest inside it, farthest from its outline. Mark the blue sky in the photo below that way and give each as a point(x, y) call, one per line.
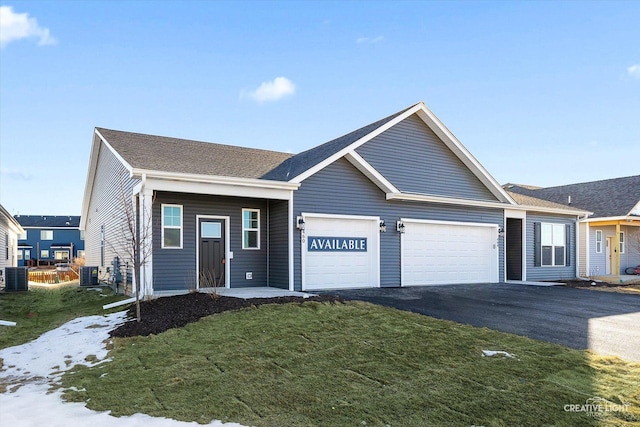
point(544, 93)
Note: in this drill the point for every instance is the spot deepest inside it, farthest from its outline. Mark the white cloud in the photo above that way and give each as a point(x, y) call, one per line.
point(16, 26)
point(15, 174)
point(272, 91)
point(634, 71)
point(369, 40)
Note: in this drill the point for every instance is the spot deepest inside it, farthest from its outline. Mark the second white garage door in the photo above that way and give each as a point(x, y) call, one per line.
point(340, 251)
point(437, 252)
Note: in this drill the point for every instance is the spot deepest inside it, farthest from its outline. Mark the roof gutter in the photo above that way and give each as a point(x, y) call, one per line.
point(214, 179)
point(480, 203)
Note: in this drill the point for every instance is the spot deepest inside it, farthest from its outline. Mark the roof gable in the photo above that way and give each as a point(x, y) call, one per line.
point(302, 162)
point(605, 198)
point(415, 160)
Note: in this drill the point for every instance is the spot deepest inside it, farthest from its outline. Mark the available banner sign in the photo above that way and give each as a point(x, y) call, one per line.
point(337, 244)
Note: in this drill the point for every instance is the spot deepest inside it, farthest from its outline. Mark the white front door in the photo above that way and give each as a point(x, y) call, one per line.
point(608, 258)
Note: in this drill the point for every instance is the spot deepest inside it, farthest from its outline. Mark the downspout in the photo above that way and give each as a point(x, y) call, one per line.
point(268, 242)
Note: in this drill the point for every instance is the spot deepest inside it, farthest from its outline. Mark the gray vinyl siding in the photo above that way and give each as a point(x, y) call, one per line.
point(175, 269)
point(112, 188)
point(415, 160)
point(631, 255)
point(550, 273)
point(279, 243)
point(341, 189)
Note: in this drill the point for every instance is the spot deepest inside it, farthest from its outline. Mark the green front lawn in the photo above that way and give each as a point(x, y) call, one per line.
point(353, 364)
point(39, 310)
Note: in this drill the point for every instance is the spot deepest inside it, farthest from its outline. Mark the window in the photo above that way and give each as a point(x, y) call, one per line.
point(250, 229)
point(598, 241)
point(27, 254)
point(23, 236)
point(80, 254)
point(622, 242)
point(211, 230)
point(81, 234)
point(172, 226)
point(19, 255)
point(44, 253)
point(6, 244)
point(61, 255)
point(553, 244)
point(46, 234)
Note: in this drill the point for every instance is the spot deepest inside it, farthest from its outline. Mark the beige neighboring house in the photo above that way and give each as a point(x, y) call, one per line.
point(10, 229)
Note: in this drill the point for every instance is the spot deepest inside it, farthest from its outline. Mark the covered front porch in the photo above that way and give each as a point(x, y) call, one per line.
point(616, 245)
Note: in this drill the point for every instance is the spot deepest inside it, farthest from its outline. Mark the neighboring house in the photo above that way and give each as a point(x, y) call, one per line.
point(610, 237)
point(399, 202)
point(49, 239)
point(9, 231)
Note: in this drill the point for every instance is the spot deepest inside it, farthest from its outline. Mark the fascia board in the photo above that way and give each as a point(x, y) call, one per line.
point(610, 218)
point(463, 154)
point(217, 188)
point(351, 147)
point(635, 210)
point(370, 172)
point(215, 179)
point(98, 140)
point(480, 203)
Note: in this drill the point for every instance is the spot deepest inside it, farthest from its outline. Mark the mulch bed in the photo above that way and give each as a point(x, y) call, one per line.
point(164, 313)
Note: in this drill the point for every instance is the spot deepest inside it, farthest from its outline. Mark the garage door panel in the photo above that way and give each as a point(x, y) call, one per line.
point(438, 253)
point(348, 267)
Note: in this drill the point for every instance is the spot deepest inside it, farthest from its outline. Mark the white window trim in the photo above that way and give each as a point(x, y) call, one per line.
point(599, 246)
point(553, 247)
point(622, 242)
point(55, 255)
point(250, 229)
point(46, 231)
point(181, 228)
point(42, 251)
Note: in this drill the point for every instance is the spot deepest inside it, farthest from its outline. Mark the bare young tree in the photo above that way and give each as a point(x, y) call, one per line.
point(132, 239)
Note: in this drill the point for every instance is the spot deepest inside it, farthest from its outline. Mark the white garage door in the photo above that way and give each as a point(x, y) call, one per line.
point(435, 253)
point(340, 252)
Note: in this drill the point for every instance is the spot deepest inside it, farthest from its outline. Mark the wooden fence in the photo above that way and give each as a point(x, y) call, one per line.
point(52, 276)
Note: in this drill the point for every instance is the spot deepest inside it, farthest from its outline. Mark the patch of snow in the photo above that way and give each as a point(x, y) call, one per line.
point(30, 369)
point(490, 353)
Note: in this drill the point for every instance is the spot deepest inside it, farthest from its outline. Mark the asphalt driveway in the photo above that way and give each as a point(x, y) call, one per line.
point(605, 322)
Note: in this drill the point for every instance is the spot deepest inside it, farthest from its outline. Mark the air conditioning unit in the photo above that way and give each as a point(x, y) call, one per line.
point(16, 279)
point(88, 276)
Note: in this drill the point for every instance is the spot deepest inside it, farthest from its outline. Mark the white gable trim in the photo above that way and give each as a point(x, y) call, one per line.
point(98, 140)
point(464, 155)
point(440, 130)
point(317, 168)
point(635, 210)
point(370, 172)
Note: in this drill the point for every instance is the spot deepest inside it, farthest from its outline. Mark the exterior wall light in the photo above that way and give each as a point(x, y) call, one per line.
point(500, 231)
point(383, 226)
point(300, 223)
point(400, 227)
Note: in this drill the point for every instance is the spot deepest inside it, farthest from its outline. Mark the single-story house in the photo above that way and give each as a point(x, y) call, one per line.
point(49, 239)
point(9, 231)
point(399, 202)
point(609, 238)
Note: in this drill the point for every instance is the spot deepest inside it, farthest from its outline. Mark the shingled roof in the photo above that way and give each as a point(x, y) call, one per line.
point(160, 153)
point(523, 200)
point(48, 221)
point(606, 198)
